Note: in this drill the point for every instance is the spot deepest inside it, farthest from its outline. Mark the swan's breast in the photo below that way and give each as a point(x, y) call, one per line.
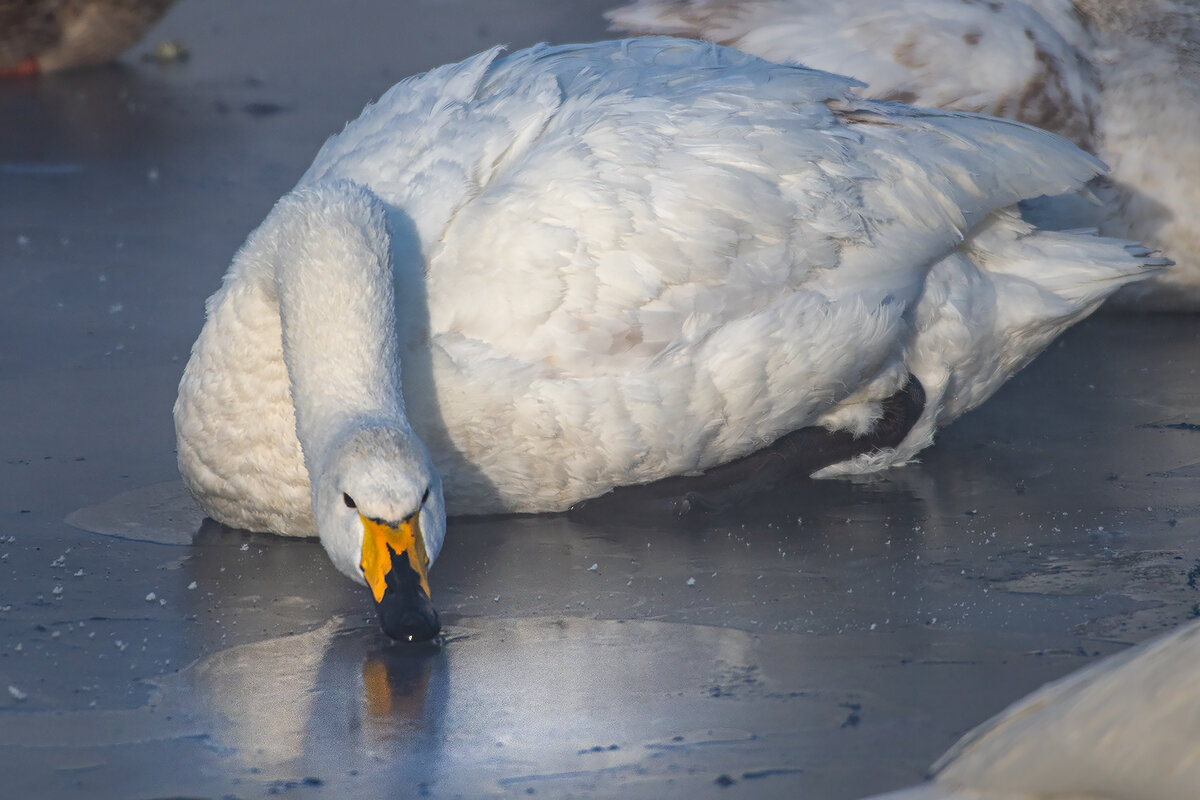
point(234, 419)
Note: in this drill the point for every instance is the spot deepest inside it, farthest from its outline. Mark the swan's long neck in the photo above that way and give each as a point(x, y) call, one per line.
point(333, 276)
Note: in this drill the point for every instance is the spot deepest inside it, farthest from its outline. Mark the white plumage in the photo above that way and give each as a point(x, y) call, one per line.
point(1121, 78)
point(1125, 728)
point(605, 264)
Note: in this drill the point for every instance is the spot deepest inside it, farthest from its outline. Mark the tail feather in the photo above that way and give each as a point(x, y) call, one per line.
point(992, 306)
point(989, 309)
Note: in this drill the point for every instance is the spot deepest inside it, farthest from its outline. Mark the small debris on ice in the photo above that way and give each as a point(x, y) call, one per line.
point(16, 693)
point(78, 573)
point(166, 52)
point(691, 581)
point(57, 590)
point(191, 585)
point(245, 547)
point(58, 562)
point(594, 567)
point(150, 597)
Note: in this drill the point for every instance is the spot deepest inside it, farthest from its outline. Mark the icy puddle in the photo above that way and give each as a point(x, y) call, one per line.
point(528, 706)
point(163, 513)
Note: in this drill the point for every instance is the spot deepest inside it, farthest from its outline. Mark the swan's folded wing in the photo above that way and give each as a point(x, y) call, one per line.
point(624, 199)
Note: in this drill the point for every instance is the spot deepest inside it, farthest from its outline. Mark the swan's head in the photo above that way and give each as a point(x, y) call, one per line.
point(379, 511)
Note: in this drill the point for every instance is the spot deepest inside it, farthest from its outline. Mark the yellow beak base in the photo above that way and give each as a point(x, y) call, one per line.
point(380, 541)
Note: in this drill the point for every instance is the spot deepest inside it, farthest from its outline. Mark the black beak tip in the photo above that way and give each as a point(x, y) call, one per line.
point(406, 612)
point(408, 620)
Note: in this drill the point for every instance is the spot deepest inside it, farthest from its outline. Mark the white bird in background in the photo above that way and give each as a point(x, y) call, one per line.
point(1125, 728)
point(1121, 78)
point(608, 264)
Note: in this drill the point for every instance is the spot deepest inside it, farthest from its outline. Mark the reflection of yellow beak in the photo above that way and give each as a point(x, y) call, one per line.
point(377, 689)
point(381, 541)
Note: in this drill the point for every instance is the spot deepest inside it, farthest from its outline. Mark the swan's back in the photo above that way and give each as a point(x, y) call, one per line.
point(615, 203)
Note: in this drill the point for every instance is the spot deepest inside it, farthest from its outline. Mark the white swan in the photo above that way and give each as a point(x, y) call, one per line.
point(1121, 78)
point(603, 265)
point(1125, 728)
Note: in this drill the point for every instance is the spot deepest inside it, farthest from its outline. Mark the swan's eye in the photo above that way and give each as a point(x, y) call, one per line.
point(349, 501)
point(425, 496)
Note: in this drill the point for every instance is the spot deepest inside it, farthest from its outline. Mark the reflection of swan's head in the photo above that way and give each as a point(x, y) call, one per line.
point(334, 699)
point(378, 506)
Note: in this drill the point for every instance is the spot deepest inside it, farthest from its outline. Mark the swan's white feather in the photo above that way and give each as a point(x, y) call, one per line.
point(1120, 78)
point(617, 262)
point(1125, 728)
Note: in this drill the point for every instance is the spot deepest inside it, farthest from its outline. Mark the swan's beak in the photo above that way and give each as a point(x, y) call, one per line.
point(397, 570)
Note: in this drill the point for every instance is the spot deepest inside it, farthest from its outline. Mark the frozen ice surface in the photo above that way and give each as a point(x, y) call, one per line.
point(831, 659)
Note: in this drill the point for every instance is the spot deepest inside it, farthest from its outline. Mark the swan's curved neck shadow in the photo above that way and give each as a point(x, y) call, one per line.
point(418, 378)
